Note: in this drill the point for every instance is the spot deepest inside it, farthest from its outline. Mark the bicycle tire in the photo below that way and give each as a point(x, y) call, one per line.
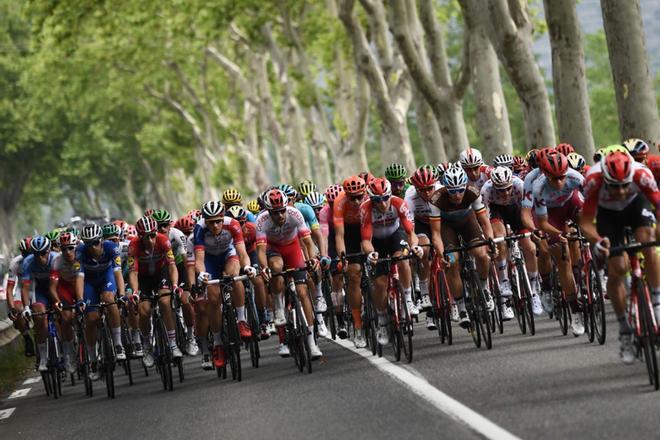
point(496, 314)
point(647, 332)
point(475, 328)
point(52, 362)
point(485, 314)
point(526, 296)
point(329, 314)
point(597, 303)
point(253, 323)
point(405, 326)
point(83, 360)
point(302, 325)
point(164, 355)
point(45, 378)
point(234, 346)
point(107, 350)
point(518, 302)
point(446, 330)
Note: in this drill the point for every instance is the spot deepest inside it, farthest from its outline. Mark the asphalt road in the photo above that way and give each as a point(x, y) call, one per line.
point(546, 386)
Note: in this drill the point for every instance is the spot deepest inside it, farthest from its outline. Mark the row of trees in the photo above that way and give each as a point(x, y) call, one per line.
point(162, 103)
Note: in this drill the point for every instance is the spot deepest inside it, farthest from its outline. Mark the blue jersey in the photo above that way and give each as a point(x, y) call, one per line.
point(95, 268)
point(251, 217)
point(308, 214)
point(33, 271)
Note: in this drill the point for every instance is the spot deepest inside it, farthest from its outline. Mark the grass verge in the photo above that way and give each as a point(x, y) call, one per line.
point(13, 365)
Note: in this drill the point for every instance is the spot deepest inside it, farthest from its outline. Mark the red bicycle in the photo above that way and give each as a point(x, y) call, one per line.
point(441, 300)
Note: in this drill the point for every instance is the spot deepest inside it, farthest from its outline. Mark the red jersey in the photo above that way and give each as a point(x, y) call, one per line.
point(146, 262)
point(250, 236)
point(379, 224)
point(653, 163)
point(345, 211)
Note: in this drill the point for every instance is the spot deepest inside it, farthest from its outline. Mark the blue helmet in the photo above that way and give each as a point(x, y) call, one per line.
point(40, 244)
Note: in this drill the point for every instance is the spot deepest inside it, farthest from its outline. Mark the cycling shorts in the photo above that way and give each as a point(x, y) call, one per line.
point(467, 228)
point(422, 229)
point(352, 239)
point(66, 292)
point(151, 284)
point(388, 246)
point(215, 264)
point(292, 257)
point(97, 285)
point(611, 224)
point(508, 215)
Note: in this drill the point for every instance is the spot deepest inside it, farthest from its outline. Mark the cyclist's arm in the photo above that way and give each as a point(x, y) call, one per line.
point(25, 292)
point(261, 255)
point(242, 254)
point(366, 228)
point(199, 260)
point(10, 292)
point(484, 221)
point(174, 275)
point(79, 287)
point(309, 244)
point(339, 239)
point(52, 289)
point(436, 237)
point(526, 218)
point(589, 209)
point(338, 221)
point(116, 267)
point(546, 227)
point(319, 240)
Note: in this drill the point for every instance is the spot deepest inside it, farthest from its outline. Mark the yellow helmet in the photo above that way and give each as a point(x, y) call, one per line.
point(231, 196)
point(305, 187)
point(253, 207)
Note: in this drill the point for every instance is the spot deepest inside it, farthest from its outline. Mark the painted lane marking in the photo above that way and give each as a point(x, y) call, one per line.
point(6, 413)
point(31, 380)
point(19, 393)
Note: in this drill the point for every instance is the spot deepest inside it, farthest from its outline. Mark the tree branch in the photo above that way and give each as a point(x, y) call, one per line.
point(465, 72)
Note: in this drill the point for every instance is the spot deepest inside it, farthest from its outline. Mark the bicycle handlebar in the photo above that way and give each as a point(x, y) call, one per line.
point(475, 245)
point(228, 279)
point(634, 247)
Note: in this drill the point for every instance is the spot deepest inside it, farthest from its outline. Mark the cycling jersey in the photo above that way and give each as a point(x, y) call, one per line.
point(597, 195)
point(449, 211)
point(420, 208)
point(250, 236)
point(65, 271)
point(528, 186)
point(150, 262)
point(251, 218)
point(178, 242)
point(308, 214)
point(33, 271)
point(377, 224)
point(484, 175)
point(294, 227)
point(325, 221)
point(96, 268)
point(230, 235)
point(546, 196)
point(15, 274)
point(490, 194)
point(653, 163)
point(344, 211)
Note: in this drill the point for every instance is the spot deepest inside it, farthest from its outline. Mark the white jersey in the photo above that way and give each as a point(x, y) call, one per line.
point(294, 227)
point(421, 210)
point(491, 196)
point(528, 186)
point(179, 241)
point(15, 274)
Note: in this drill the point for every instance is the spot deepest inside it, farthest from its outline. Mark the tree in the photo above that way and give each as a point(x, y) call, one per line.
point(635, 97)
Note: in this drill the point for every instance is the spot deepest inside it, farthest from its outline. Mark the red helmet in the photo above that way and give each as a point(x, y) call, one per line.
point(67, 239)
point(145, 225)
point(276, 199)
point(354, 186)
point(332, 192)
point(379, 187)
point(366, 176)
point(565, 149)
point(185, 224)
point(148, 212)
point(519, 164)
point(617, 167)
point(542, 153)
point(423, 177)
point(24, 245)
point(129, 231)
point(554, 163)
point(196, 214)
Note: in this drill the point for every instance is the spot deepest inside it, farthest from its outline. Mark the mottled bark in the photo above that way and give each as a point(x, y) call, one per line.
point(428, 131)
point(635, 96)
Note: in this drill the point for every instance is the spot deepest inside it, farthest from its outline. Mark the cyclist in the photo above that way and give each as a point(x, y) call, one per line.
point(462, 213)
point(577, 162)
point(305, 187)
point(418, 200)
point(617, 194)
point(254, 207)
point(386, 223)
point(346, 221)
point(474, 167)
point(100, 265)
point(15, 306)
point(337, 283)
point(53, 236)
point(36, 268)
point(280, 229)
point(565, 149)
point(638, 149)
point(503, 160)
point(66, 286)
point(502, 195)
point(397, 174)
point(557, 199)
point(520, 167)
point(232, 197)
point(220, 250)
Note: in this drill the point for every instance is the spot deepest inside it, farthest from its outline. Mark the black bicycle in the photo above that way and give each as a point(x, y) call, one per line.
point(252, 316)
point(52, 377)
point(162, 352)
point(107, 356)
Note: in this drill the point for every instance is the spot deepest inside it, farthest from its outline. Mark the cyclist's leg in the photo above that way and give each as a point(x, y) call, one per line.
point(91, 296)
point(41, 327)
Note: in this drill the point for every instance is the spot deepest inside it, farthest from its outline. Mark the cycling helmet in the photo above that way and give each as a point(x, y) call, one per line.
point(40, 244)
point(441, 168)
point(637, 148)
point(185, 224)
point(502, 177)
point(237, 212)
point(455, 177)
point(52, 235)
point(213, 208)
point(253, 206)
point(146, 225)
point(542, 153)
point(576, 161)
point(617, 167)
point(289, 190)
point(366, 176)
point(162, 216)
point(471, 158)
point(68, 239)
point(332, 192)
point(503, 160)
point(92, 232)
point(315, 199)
point(148, 212)
point(196, 214)
point(231, 196)
point(276, 199)
point(111, 230)
point(129, 231)
point(354, 186)
point(519, 164)
point(379, 187)
point(396, 171)
point(423, 177)
point(554, 164)
point(565, 149)
point(24, 245)
point(305, 187)
point(532, 158)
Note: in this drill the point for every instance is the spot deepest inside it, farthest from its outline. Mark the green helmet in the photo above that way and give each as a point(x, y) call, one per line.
point(73, 230)
point(395, 171)
point(53, 235)
point(111, 230)
point(305, 187)
point(161, 216)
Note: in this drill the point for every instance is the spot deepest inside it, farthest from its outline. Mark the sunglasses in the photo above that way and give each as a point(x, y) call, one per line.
point(618, 185)
point(456, 190)
point(215, 222)
point(397, 183)
point(426, 189)
point(277, 211)
point(377, 199)
point(93, 243)
point(507, 189)
point(356, 198)
point(42, 253)
point(68, 248)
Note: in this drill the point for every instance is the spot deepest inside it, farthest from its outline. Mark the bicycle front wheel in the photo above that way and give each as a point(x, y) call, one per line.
point(597, 303)
point(647, 333)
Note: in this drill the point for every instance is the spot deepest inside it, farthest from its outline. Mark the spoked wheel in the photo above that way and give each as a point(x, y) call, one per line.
point(518, 302)
point(597, 303)
point(476, 326)
point(329, 314)
point(561, 309)
point(444, 328)
point(107, 363)
point(233, 346)
point(485, 315)
point(45, 378)
point(526, 297)
point(647, 335)
point(302, 327)
point(406, 326)
point(397, 340)
point(55, 381)
point(164, 357)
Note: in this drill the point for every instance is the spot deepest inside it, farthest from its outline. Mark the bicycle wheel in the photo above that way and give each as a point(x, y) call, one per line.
point(526, 296)
point(53, 373)
point(253, 323)
point(164, 356)
point(329, 314)
point(405, 326)
point(304, 332)
point(45, 378)
point(474, 313)
point(647, 333)
point(128, 348)
point(597, 303)
point(234, 347)
point(83, 361)
point(485, 314)
point(562, 315)
point(108, 361)
point(495, 315)
point(518, 302)
point(445, 314)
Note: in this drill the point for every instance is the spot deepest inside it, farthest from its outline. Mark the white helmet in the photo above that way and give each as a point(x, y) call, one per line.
point(91, 232)
point(471, 158)
point(455, 177)
point(503, 160)
point(501, 177)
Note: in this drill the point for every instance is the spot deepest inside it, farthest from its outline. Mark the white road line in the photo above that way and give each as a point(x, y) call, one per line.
point(19, 393)
point(420, 386)
point(31, 380)
point(6, 413)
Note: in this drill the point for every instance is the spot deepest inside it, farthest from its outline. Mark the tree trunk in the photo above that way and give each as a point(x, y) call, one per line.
point(635, 96)
point(428, 131)
point(492, 115)
point(568, 76)
point(511, 35)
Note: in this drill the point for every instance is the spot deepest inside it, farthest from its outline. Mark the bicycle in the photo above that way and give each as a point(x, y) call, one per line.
point(52, 377)
point(520, 284)
point(369, 315)
point(230, 337)
point(329, 314)
point(441, 300)
point(640, 311)
point(591, 291)
point(162, 353)
point(296, 322)
point(127, 342)
point(82, 355)
point(107, 355)
point(252, 345)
